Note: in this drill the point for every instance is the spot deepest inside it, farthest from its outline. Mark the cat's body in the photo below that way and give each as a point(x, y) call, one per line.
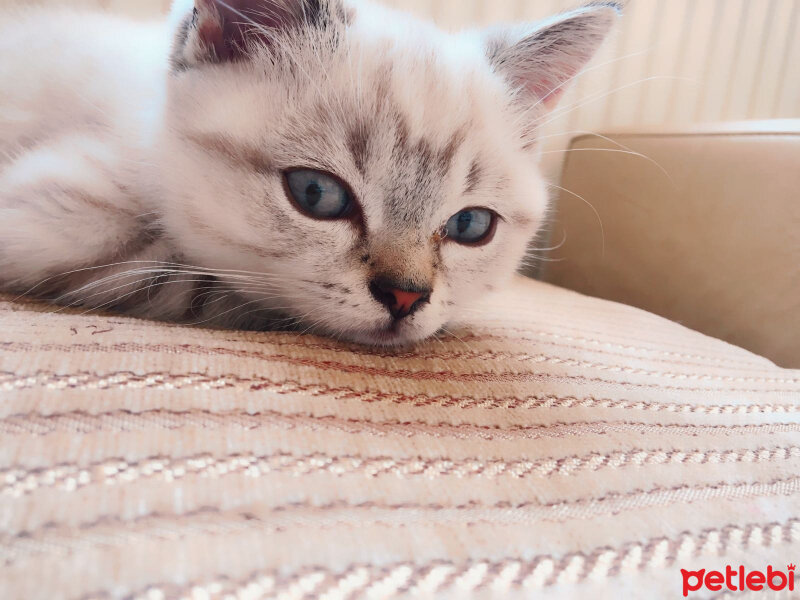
point(152, 168)
point(78, 122)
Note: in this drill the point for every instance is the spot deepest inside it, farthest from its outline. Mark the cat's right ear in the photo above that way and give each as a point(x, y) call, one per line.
point(216, 31)
point(538, 61)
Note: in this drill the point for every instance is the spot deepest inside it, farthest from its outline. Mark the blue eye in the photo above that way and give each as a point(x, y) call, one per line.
point(471, 226)
point(318, 194)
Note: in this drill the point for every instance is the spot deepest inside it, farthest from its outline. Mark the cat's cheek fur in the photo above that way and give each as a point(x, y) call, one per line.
point(473, 272)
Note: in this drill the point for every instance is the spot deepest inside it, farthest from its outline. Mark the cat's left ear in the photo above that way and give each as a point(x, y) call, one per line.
point(540, 60)
point(227, 30)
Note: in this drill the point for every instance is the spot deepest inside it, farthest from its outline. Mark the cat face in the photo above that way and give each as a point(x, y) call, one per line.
point(376, 172)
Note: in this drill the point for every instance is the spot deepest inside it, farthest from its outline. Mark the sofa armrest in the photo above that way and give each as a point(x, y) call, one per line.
point(703, 228)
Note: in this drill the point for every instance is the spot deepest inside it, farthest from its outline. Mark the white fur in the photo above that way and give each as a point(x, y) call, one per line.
point(99, 149)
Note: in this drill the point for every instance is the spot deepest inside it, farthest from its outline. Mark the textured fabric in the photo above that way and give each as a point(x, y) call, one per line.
point(563, 445)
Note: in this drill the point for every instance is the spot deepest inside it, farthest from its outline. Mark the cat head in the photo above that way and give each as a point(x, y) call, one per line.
point(380, 173)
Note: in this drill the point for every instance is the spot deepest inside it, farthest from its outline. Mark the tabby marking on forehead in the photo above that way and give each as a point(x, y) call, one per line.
point(429, 158)
point(473, 177)
point(453, 145)
point(358, 144)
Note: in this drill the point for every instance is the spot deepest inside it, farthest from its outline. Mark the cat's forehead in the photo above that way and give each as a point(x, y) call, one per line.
point(410, 169)
point(409, 124)
point(406, 123)
point(410, 159)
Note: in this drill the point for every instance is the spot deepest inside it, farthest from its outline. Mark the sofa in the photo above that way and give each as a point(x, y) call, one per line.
point(700, 225)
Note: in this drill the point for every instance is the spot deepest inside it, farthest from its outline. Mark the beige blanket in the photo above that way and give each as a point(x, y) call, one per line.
point(563, 444)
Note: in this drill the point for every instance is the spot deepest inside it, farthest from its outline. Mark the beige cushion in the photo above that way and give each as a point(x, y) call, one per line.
point(714, 243)
point(563, 442)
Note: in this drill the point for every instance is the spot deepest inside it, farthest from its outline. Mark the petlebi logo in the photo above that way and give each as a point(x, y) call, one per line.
point(737, 580)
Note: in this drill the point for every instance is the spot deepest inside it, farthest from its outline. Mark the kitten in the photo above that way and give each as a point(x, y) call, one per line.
point(328, 164)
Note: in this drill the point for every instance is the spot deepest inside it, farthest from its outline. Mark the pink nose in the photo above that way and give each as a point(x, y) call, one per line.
point(401, 302)
point(404, 301)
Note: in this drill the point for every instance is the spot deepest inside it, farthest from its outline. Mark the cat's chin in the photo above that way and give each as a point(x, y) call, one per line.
point(390, 337)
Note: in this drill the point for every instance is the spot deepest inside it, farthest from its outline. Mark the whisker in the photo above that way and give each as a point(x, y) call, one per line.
point(453, 335)
point(590, 205)
point(558, 113)
point(538, 259)
point(556, 247)
point(212, 318)
point(631, 152)
point(627, 149)
point(164, 264)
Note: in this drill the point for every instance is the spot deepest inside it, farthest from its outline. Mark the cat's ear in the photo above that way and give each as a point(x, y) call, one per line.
point(540, 60)
point(227, 30)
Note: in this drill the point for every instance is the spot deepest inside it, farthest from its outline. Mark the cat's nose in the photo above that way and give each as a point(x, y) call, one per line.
point(401, 300)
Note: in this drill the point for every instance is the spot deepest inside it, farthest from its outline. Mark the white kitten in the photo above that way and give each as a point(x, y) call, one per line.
point(326, 163)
